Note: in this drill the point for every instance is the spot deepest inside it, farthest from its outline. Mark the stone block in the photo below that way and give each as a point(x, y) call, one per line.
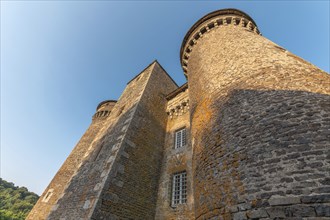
point(274, 201)
point(300, 211)
point(256, 214)
point(239, 216)
point(287, 179)
point(322, 190)
point(325, 181)
point(113, 217)
point(233, 209)
point(244, 206)
point(276, 212)
point(111, 197)
point(323, 210)
point(316, 198)
point(130, 143)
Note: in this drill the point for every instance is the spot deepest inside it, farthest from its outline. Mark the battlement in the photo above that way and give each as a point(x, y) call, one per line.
point(104, 108)
point(106, 103)
point(210, 21)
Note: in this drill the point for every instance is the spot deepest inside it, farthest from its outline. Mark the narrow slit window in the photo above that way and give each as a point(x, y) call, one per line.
point(48, 195)
point(180, 138)
point(179, 188)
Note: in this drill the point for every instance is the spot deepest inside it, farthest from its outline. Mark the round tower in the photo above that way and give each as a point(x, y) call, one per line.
point(259, 122)
point(104, 109)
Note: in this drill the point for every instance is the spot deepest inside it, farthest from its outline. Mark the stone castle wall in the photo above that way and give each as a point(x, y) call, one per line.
point(132, 192)
point(259, 122)
point(100, 188)
point(257, 145)
point(176, 160)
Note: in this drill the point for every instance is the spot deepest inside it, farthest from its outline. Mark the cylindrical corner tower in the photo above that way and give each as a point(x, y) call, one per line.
point(259, 121)
point(104, 108)
point(79, 154)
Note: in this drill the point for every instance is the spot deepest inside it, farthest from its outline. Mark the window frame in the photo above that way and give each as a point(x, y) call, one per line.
point(48, 195)
point(180, 134)
point(179, 188)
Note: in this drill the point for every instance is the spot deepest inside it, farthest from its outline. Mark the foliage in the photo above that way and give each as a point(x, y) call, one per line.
point(15, 202)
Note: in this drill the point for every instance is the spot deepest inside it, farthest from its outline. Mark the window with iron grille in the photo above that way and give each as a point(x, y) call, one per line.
point(180, 138)
point(179, 188)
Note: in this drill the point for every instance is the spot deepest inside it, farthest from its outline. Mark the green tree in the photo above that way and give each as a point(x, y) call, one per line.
point(15, 202)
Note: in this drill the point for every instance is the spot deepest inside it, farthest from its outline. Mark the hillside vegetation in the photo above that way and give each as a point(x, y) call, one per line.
point(15, 202)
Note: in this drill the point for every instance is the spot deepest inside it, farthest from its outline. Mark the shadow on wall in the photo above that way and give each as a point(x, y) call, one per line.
point(263, 145)
point(81, 187)
point(131, 182)
point(140, 176)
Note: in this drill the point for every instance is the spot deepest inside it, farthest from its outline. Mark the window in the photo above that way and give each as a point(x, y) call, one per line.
point(179, 188)
point(180, 138)
point(48, 195)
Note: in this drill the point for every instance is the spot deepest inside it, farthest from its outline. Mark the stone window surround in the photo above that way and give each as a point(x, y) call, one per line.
point(182, 134)
point(179, 179)
point(48, 195)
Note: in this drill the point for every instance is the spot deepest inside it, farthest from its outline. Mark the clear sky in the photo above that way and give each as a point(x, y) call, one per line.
point(60, 59)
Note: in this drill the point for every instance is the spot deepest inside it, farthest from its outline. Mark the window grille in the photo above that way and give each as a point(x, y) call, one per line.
point(179, 188)
point(180, 138)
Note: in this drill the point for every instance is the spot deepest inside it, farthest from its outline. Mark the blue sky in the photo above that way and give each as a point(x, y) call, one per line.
point(60, 59)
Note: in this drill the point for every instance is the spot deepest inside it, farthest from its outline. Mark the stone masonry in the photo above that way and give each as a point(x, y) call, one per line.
point(259, 123)
point(176, 160)
point(247, 137)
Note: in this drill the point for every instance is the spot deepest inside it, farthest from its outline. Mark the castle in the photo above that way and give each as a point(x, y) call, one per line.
point(247, 137)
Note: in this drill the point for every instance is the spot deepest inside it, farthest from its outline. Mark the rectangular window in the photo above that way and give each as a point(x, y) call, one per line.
point(180, 138)
point(179, 188)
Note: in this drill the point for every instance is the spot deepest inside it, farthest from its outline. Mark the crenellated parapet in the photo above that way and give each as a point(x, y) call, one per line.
point(210, 22)
point(178, 102)
point(101, 114)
